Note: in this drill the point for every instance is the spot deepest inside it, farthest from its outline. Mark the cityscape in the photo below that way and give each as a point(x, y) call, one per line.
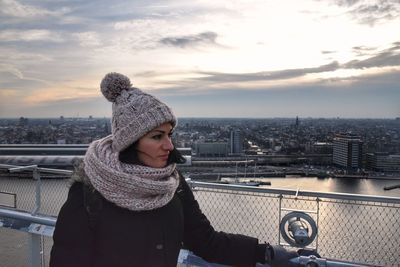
point(288, 120)
point(242, 171)
point(306, 146)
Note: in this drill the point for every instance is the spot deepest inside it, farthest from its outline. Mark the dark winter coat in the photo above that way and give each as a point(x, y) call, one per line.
point(114, 236)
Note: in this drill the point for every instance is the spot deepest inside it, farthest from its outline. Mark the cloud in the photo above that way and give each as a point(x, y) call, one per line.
point(395, 47)
point(57, 95)
point(13, 8)
point(11, 69)
point(361, 51)
point(335, 74)
point(268, 75)
point(29, 36)
point(76, 107)
point(13, 55)
point(88, 39)
point(326, 52)
point(317, 99)
point(204, 38)
point(147, 32)
point(346, 2)
point(384, 59)
point(387, 58)
point(14, 79)
point(363, 48)
point(371, 12)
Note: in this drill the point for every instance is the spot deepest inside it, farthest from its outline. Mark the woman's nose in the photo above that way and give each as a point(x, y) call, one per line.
point(168, 145)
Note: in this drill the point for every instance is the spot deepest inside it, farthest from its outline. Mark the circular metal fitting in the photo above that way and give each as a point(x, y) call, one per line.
point(298, 229)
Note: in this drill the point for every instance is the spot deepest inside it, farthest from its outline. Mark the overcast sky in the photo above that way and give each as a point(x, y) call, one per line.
point(267, 58)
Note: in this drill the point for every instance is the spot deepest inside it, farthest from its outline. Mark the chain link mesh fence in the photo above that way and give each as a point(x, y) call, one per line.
point(14, 245)
point(356, 231)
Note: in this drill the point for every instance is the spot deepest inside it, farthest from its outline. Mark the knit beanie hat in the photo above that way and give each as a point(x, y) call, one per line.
point(134, 113)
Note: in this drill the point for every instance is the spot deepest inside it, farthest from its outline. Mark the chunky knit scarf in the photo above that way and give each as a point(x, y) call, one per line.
point(130, 186)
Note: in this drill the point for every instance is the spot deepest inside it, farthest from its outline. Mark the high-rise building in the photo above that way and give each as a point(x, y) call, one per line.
point(382, 161)
point(236, 142)
point(214, 149)
point(347, 151)
point(23, 121)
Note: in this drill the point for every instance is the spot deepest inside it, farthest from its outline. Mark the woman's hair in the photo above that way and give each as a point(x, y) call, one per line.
point(129, 155)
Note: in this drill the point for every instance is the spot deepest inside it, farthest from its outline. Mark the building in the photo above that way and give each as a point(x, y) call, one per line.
point(383, 162)
point(322, 148)
point(55, 155)
point(347, 151)
point(214, 149)
point(236, 143)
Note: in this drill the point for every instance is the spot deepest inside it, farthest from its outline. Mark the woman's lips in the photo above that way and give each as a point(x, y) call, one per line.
point(164, 157)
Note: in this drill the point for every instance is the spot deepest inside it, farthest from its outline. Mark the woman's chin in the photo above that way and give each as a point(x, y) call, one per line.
point(159, 165)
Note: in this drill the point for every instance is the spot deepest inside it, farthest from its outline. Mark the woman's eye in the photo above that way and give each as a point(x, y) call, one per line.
point(157, 137)
point(170, 135)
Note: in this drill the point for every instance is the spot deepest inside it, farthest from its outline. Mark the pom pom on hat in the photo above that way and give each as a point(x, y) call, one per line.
point(113, 84)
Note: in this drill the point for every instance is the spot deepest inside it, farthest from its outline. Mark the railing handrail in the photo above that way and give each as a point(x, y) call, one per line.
point(298, 192)
point(40, 169)
point(278, 191)
point(26, 216)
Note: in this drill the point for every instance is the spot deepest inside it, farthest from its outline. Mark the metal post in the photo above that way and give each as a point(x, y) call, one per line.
point(34, 242)
point(37, 244)
point(316, 240)
point(279, 217)
point(236, 176)
point(245, 168)
point(35, 249)
point(36, 176)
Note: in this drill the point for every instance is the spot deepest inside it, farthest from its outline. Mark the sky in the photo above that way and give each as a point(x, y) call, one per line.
point(263, 59)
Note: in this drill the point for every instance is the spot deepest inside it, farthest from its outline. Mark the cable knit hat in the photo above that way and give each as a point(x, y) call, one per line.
point(134, 113)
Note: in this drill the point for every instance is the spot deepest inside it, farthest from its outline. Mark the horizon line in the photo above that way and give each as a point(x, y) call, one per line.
point(206, 117)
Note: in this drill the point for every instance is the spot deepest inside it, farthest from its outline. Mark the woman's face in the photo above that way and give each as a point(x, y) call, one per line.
point(154, 147)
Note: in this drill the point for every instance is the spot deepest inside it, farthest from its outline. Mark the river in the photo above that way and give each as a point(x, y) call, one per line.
point(339, 185)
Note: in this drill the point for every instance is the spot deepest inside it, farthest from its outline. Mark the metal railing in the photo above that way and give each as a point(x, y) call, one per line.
point(353, 228)
point(36, 226)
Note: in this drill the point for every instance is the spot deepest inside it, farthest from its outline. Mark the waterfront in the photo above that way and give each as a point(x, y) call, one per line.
point(337, 185)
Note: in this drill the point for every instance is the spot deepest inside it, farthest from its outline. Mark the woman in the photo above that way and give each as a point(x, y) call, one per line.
point(129, 206)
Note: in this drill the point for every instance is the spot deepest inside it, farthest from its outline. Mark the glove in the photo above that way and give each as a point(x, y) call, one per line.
point(278, 256)
point(308, 252)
